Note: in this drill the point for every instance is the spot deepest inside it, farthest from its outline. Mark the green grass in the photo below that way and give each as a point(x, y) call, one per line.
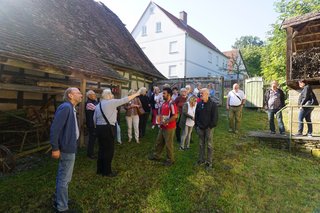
point(247, 177)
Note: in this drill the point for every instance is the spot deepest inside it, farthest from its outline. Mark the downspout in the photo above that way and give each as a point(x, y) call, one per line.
point(185, 59)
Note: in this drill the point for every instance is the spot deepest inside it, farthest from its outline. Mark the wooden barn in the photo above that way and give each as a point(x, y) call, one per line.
point(49, 45)
point(303, 60)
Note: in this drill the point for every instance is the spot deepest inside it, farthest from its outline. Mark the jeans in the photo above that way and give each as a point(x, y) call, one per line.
point(118, 133)
point(64, 176)
point(271, 113)
point(205, 136)
point(305, 113)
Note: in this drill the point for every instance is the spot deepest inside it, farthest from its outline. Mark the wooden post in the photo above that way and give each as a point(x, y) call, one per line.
point(83, 86)
point(290, 121)
point(289, 54)
point(20, 100)
point(222, 89)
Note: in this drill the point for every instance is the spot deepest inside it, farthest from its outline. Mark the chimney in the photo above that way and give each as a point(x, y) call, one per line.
point(183, 17)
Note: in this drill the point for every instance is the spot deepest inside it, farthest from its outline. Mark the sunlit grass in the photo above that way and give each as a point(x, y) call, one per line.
point(247, 177)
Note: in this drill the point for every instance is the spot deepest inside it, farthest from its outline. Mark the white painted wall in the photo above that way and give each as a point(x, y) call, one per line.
point(198, 63)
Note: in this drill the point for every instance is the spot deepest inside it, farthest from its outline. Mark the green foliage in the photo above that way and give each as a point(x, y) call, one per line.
point(247, 177)
point(250, 47)
point(252, 59)
point(247, 41)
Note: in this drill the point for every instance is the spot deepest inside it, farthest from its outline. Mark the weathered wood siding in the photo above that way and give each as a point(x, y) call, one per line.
point(254, 92)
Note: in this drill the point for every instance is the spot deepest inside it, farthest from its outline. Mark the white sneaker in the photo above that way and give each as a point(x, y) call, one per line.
point(152, 127)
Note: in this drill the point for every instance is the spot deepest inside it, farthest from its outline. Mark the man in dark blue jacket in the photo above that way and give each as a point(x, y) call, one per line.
point(64, 134)
point(206, 119)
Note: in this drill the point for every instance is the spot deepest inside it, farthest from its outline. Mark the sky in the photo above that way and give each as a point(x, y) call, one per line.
point(220, 21)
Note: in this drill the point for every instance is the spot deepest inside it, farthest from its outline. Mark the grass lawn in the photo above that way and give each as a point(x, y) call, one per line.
point(246, 177)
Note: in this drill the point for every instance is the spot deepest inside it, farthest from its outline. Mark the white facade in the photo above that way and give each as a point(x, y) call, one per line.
point(173, 50)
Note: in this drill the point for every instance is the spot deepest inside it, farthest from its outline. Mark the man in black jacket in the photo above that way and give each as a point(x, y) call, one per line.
point(90, 107)
point(274, 100)
point(206, 119)
point(306, 98)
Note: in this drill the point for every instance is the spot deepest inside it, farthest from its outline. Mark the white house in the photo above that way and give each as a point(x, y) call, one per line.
point(176, 49)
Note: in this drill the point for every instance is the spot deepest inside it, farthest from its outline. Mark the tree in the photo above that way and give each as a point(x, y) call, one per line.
point(247, 41)
point(251, 48)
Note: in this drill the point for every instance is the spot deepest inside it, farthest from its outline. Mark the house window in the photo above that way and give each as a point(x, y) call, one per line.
point(217, 57)
point(144, 30)
point(209, 57)
point(173, 47)
point(158, 27)
point(173, 71)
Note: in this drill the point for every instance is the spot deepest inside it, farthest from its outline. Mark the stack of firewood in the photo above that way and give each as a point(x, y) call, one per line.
point(306, 64)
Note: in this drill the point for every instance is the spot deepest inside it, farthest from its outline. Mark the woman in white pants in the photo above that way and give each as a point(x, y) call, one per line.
point(132, 117)
point(187, 122)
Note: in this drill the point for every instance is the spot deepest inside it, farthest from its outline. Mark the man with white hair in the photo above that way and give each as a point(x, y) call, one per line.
point(235, 101)
point(90, 107)
point(206, 118)
point(64, 134)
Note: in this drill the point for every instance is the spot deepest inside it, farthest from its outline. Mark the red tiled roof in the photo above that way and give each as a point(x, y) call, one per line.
point(191, 31)
point(71, 35)
point(231, 54)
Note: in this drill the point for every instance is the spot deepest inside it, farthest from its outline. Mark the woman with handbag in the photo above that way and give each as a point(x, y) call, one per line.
point(105, 118)
point(132, 116)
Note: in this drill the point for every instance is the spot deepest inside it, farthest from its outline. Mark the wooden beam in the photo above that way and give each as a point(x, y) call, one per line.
point(55, 84)
point(308, 42)
point(52, 70)
point(1, 69)
point(289, 53)
point(29, 65)
point(27, 88)
point(83, 86)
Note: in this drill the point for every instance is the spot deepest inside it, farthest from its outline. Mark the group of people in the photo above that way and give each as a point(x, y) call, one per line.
point(274, 101)
point(172, 112)
point(102, 122)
